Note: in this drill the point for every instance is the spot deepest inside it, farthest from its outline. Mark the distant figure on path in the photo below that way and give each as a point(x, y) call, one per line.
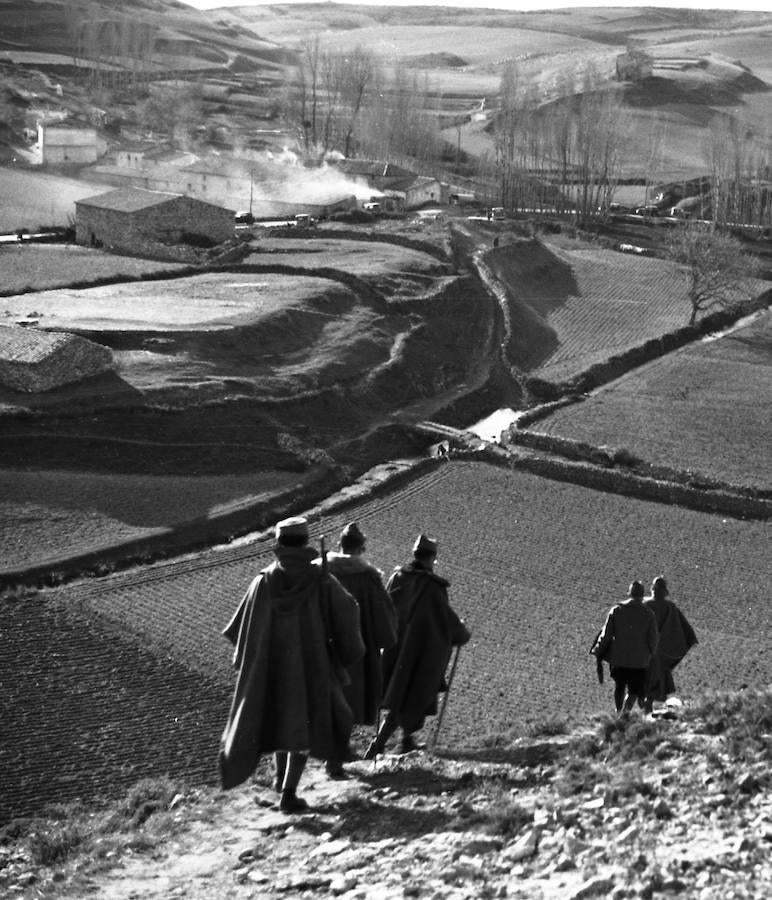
point(378, 621)
point(627, 642)
point(288, 698)
point(676, 638)
point(428, 629)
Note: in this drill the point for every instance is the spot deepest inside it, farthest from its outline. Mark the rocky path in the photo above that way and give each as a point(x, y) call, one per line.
point(564, 818)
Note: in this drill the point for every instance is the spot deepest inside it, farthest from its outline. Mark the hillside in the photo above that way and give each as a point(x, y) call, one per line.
point(678, 805)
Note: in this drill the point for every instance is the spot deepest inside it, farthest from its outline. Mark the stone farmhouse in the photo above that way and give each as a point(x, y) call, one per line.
point(32, 360)
point(398, 189)
point(64, 144)
point(136, 220)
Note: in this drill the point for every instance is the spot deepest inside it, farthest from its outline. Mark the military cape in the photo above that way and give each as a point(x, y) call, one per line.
point(676, 638)
point(428, 629)
point(288, 695)
point(378, 621)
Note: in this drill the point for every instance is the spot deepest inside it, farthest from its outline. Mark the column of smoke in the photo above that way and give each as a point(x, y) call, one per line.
point(285, 178)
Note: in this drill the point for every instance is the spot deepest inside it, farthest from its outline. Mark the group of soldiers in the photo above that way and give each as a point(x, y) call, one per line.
point(643, 640)
point(321, 644)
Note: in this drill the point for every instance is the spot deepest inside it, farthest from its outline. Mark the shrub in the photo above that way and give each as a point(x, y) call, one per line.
point(744, 718)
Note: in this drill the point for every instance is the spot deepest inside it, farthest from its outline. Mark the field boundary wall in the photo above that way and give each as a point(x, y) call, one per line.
point(615, 481)
point(440, 253)
point(616, 366)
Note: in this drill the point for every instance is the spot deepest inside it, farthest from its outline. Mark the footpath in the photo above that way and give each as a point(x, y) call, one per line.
point(650, 807)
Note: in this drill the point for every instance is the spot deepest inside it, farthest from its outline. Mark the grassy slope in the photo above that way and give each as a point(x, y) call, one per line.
point(706, 408)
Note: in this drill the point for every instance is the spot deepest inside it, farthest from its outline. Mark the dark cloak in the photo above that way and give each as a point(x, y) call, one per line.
point(676, 638)
point(428, 629)
point(378, 621)
point(288, 695)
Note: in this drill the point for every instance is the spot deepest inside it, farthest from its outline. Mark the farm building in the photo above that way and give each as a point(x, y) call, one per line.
point(61, 144)
point(413, 191)
point(33, 361)
point(134, 219)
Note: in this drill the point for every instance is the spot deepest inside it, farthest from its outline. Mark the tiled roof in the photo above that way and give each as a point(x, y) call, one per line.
point(128, 199)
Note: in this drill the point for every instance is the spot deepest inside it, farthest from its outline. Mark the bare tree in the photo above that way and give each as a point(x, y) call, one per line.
point(718, 271)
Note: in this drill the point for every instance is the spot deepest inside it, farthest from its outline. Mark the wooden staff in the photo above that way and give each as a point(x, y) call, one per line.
point(445, 698)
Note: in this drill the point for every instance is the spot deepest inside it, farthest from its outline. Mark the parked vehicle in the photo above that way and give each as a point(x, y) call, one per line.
point(372, 207)
point(497, 214)
point(244, 218)
point(650, 211)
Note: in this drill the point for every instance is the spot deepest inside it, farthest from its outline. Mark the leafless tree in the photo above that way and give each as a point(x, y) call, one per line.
point(717, 269)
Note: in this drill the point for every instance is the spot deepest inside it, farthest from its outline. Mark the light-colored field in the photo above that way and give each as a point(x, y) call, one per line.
point(211, 302)
point(85, 512)
point(475, 45)
point(707, 408)
point(365, 259)
point(42, 266)
point(29, 199)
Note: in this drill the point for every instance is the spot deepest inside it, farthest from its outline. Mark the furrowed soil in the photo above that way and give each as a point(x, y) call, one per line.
point(142, 677)
point(707, 408)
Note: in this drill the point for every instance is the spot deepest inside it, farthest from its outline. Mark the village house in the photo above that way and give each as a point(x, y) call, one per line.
point(136, 220)
point(398, 189)
point(61, 143)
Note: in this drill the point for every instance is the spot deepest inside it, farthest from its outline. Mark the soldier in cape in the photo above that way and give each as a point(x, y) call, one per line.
point(676, 638)
point(627, 642)
point(378, 622)
point(428, 629)
point(293, 631)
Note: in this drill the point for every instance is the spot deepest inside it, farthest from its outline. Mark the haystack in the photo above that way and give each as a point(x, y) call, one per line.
point(32, 360)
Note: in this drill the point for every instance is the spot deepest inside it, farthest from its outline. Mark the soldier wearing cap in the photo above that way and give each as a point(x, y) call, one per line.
point(378, 621)
point(289, 697)
point(428, 629)
point(676, 638)
point(627, 642)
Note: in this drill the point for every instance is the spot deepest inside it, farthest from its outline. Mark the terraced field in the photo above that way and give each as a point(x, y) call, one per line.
point(598, 303)
point(707, 408)
point(85, 511)
point(129, 676)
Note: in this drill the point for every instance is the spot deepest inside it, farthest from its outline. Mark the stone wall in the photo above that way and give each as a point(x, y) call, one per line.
point(141, 231)
point(33, 361)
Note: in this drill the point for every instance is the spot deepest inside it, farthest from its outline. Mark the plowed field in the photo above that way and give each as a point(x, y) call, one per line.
point(129, 676)
point(83, 512)
point(707, 408)
point(617, 302)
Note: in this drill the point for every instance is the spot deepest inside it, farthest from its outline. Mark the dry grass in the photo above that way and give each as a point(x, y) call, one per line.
point(39, 267)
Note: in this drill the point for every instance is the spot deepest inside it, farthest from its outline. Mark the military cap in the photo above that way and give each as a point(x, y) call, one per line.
point(353, 534)
point(636, 589)
point(659, 587)
point(296, 526)
point(424, 545)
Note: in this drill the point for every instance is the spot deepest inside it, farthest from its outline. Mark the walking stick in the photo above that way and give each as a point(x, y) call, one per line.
point(445, 698)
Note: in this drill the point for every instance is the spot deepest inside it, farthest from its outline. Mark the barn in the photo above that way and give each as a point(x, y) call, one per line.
point(32, 360)
point(136, 220)
point(62, 144)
